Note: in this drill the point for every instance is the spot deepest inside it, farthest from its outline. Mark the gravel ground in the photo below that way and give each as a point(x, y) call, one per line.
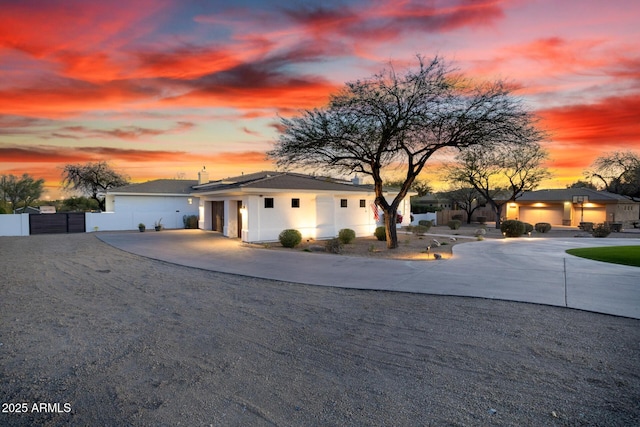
point(90, 335)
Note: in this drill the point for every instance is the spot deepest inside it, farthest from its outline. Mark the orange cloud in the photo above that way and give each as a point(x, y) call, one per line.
point(609, 123)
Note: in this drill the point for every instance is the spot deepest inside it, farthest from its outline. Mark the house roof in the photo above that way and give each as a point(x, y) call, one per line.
point(281, 181)
point(158, 186)
point(260, 181)
point(566, 194)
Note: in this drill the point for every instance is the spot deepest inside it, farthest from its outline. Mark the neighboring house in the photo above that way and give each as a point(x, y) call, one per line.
point(571, 206)
point(32, 210)
point(257, 207)
point(168, 200)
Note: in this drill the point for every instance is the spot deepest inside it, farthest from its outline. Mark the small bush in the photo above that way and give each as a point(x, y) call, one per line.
point(543, 227)
point(346, 235)
point(290, 238)
point(454, 224)
point(512, 228)
point(586, 226)
point(601, 230)
point(528, 228)
point(190, 221)
point(420, 229)
point(334, 246)
point(481, 219)
point(425, 223)
point(381, 234)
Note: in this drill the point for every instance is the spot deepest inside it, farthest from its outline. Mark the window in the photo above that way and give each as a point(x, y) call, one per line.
point(295, 203)
point(268, 202)
point(343, 203)
point(363, 203)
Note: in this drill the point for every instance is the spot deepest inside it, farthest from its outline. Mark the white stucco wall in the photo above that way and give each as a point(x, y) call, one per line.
point(319, 215)
point(125, 212)
point(14, 225)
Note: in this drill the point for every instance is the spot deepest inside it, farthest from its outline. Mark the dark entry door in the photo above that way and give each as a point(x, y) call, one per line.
point(240, 220)
point(217, 216)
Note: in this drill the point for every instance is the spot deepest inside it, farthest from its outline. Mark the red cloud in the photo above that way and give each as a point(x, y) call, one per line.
point(610, 122)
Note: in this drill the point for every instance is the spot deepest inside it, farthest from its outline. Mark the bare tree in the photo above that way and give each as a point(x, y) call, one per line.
point(92, 179)
point(618, 172)
point(398, 121)
point(21, 192)
point(501, 175)
point(421, 187)
point(466, 198)
point(582, 184)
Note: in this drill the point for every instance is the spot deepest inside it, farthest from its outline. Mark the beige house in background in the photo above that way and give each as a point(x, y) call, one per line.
point(571, 206)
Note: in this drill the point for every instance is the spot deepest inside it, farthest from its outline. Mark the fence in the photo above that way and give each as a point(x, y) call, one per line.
point(447, 215)
point(19, 224)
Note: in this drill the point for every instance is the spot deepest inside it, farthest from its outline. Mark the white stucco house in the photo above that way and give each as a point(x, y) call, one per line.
point(254, 207)
point(257, 207)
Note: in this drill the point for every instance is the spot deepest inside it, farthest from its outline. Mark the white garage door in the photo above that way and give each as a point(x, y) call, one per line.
point(595, 215)
point(552, 215)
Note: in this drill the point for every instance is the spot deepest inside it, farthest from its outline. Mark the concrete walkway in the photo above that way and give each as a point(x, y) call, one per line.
point(535, 270)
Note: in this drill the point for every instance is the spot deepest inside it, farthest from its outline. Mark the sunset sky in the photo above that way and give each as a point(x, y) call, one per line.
point(160, 88)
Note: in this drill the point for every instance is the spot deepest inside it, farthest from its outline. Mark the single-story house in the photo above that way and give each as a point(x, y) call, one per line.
point(571, 206)
point(254, 207)
point(257, 207)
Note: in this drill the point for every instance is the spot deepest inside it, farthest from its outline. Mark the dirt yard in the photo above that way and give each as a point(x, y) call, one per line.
point(90, 335)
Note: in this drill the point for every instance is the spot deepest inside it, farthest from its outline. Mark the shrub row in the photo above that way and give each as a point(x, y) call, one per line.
point(291, 238)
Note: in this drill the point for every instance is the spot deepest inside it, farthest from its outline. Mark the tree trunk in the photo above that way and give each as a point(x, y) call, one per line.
point(390, 228)
point(498, 210)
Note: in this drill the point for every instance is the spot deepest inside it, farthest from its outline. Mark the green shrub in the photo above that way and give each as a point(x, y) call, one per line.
point(290, 238)
point(334, 246)
point(586, 226)
point(528, 228)
point(601, 230)
point(381, 234)
point(420, 229)
point(425, 223)
point(512, 228)
point(454, 224)
point(543, 227)
point(346, 235)
point(190, 221)
point(481, 219)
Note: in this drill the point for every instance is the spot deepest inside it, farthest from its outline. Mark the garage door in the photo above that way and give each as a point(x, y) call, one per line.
point(595, 215)
point(552, 215)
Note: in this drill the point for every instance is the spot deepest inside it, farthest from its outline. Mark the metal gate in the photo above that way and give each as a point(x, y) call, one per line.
point(72, 222)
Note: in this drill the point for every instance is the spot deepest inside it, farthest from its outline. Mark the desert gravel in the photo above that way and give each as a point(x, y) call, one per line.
point(117, 339)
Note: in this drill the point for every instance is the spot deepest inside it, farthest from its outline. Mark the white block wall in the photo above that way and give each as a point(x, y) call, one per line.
point(14, 225)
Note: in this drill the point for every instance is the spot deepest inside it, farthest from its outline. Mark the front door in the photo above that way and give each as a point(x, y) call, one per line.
point(217, 216)
point(239, 220)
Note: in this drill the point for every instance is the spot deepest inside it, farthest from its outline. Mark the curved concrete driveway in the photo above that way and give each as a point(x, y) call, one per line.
point(533, 270)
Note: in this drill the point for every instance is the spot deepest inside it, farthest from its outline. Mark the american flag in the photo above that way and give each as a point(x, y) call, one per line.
point(375, 212)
